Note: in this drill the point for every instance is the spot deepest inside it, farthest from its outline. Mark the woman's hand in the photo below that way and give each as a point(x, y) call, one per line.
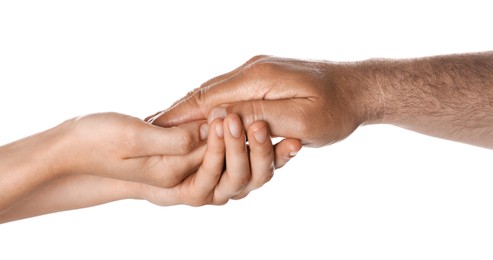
point(106, 145)
point(230, 170)
point(122, 147)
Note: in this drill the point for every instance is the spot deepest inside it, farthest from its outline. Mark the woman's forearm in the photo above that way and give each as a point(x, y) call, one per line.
point(28, 164)
point(72, 192)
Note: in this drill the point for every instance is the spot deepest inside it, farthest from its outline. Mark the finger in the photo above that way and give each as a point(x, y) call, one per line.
point(286, 118)
point(237, 174)
point(166, 171)
point(196, 190)
point(232, 73)
point(254, 85)
point(204, 85)
point(189, 107)
point(199, 189)
point(153, 140)
point(285, 150)
point(261, 157)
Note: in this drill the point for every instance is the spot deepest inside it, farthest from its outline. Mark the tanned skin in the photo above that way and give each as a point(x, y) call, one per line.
point(322, 102)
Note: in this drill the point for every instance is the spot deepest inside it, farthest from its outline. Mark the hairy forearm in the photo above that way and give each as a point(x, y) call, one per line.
point(449, 97)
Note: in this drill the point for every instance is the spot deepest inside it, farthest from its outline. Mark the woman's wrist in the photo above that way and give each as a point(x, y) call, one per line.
point(57, 151)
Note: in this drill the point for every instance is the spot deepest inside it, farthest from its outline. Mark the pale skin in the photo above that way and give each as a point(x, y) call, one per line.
point(322, 102)
point(105, 157)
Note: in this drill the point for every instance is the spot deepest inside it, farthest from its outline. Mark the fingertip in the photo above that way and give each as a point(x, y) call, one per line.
point(234, 126)
point(294, 146)
point(216, 113)
point(217, 126)
point(285, 150)
point(260, 132)
point(204, 131)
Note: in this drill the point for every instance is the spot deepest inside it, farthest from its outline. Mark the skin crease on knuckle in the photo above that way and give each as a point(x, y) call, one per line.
point(158, 172)
point(257, 58)
point(241, 182)
point(170, 171)
point(195, 197)
point(185, 141)
point(264, 177)
point(220, 201)
point(251, 112)
point(197, 201)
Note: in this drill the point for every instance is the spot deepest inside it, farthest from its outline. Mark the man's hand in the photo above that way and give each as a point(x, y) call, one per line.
point(306, 100)
point(449, 96)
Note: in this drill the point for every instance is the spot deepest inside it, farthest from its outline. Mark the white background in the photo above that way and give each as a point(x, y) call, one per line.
point(383, 193)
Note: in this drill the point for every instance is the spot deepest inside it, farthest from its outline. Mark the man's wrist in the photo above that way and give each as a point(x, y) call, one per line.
point(364, 95)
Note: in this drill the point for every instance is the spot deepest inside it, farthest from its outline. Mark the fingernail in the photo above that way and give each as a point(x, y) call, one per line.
point(234, 126)
point(204, 129)
point(217, 112)
point(219, 130)
point(260, 135)
point(293, 153)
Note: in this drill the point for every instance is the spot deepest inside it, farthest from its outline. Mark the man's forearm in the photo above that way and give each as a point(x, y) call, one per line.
point(444, 96)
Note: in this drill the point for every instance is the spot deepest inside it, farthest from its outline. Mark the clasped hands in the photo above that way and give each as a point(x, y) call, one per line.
point(196, 153)
point(211, 146)
point(194, 163)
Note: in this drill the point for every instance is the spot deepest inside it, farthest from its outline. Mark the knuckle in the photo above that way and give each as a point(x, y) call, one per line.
point(241, 195)
point(166, 180)
point(185, 142)
point(242, 180)
point(261, 67)
point(158, 174)
point(198, 99)
point(198, 95)
point(192, 92)
point(263, 178)
point(267, 65)
point(198, 198)
point(220, 202)
point(263, 151)
point(257, 58)
point(257, 112)
point(170, 180)
point(266, 178)
point(250, 112)
point(198, 201)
